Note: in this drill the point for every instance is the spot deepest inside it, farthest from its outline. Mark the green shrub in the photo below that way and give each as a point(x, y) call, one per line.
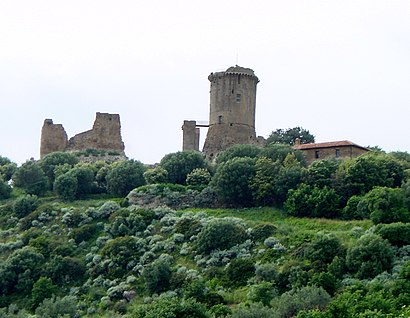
point(262, 293)
point(43, 288)
point(171, 307)
point(5, 189)
point(156, 175)
point(398, 234)
point(25, 204)
point(253, 310)
point(198, 177)
point(238, 271)
point(157, 275)
point(262, 231)
point(58, 307)
point(370, 256)
point(220, 234)
point(306, 298)
point(125, 176)
point(84, 233)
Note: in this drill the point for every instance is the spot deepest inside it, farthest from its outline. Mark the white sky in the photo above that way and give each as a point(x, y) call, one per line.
point(338, 68)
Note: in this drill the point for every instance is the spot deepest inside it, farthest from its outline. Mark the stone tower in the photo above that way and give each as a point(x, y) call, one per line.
point(190, 140)
point(232, 110)
point(53, 138)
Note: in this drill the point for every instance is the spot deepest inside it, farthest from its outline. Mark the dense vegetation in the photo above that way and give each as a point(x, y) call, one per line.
point(257, 234)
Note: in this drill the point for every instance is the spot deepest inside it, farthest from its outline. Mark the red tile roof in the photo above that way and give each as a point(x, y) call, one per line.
point(331, 144)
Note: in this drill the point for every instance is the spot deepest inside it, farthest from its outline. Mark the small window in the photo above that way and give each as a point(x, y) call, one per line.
point(238, 98)
point(239, 79)
point(337, 153)
point(317, 154)
point(220, 119)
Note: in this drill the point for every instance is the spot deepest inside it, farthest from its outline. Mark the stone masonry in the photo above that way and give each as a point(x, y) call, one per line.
point(105, 135)
point(232, 110)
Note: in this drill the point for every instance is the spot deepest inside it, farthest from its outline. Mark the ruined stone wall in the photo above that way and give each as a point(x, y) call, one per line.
point(53, 138)
point(232, 110)
point(105, 135)
point(190, 139)
point(344, 152)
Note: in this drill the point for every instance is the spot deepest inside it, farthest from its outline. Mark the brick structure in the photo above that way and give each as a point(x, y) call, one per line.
point(328, 150)
point(105, 135)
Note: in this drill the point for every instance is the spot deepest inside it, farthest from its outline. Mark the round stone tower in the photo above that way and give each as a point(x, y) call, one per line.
point(232, 110)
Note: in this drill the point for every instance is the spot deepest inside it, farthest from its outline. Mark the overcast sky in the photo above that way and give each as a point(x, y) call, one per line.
point(340, 69)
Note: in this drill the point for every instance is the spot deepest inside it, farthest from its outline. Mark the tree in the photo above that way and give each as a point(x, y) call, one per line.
point(384, 205)
point(156, 175)
point(55, 159)
point(250, 151)
point(289, 136)
point(25, 204)
point(125, 176)
point(31, 178)
point(312, 202)
point(220, 234)
point(232, 181)
point(264, 182)
point(157, 275)
point(279, 152)
point(5, 189)
point(321, 172)
point(43, 288)
point(323, 249)
point(370, 256)
point(198, 177)
point(7, 168)
point(372, 170)
point(85, 180)
point(179, 164)
point(66, 186)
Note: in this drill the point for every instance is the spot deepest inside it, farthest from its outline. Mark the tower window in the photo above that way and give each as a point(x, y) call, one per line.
point(337, 153)
point(239, 79)
point(220, 119)
point(317, 154)
point(238, 98)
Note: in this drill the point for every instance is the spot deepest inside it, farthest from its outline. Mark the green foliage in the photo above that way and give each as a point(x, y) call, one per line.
point(238, 151)
point(312, 202)
point(55, 159)
point(43, 288)
point(289, 136)
point(157, 275)
point(84, 233)
point(25, 204)
point(57, 307)
point(125, 176)
point(66, 186)
point(370, 256)
point(198, 177)
point(238, 272)
point(66, 270)
point(232, 181)
point(372, 170)
point(156, 175)
point(264, 183)
point(305, 298)
point(31, 178)
point(85, 180)
point(171, 307)
point(262, 231)
point(220, 234)
point(7, 168)
point(181, 163)
point(5, 189)
point(279, 152)
point(355, 209)
point(398, 234)
point(253, 310)
point(321, 173)
point(385, 205)
point(262, 293)
point(323, 249)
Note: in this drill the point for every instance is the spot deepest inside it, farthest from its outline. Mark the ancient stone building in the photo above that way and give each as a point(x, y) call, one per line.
point(327, 150)
point(190, 139)
point(105, 136)
point(232, 110)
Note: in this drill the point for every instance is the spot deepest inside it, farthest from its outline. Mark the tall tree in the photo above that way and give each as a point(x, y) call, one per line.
point(289, 136)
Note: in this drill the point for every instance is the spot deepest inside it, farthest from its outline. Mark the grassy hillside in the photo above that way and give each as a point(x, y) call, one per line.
point(94, 258)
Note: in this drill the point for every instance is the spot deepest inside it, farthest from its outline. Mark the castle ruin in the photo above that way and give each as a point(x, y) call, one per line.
point(105, 136)
point(232, 113)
